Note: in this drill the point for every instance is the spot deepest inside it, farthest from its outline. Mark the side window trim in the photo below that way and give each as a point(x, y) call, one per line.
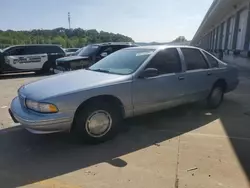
point(206, 59)
point(208, 64)
point(182, 59)
point(205, 54)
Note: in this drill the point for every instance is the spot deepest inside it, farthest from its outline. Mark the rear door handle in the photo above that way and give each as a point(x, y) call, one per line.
point(209, 73)
point(181, 77)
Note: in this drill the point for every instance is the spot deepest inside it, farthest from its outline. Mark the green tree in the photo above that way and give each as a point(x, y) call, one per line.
point(66, 37)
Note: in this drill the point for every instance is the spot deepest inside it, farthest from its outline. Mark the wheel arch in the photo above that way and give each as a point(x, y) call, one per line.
point(113, 100)
point(221, 82)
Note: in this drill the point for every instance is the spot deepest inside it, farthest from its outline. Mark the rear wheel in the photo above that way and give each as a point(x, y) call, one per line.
point(48, 67)
point(97, 122)
point(216, 96)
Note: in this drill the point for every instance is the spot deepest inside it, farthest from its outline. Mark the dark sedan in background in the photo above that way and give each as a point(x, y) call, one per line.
point(89, 55)
point(71, 51)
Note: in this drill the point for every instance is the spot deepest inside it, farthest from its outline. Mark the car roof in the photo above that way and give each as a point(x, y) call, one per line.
point(114, 43)
point(36, 45)
point(156, 47)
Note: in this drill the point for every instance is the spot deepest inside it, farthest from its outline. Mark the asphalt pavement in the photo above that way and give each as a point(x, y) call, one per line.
point(188, 146)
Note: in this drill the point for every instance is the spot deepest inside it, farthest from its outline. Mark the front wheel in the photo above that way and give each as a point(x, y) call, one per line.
point(97, 122)
point(216, 96)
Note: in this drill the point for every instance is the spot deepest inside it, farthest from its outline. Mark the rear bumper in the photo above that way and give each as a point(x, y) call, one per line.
point(39, 123)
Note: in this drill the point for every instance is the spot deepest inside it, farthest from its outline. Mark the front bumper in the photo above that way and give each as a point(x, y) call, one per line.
point(39, 123)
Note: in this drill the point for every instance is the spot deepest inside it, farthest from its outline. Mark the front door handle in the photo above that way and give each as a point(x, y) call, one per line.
point(209, 73)
point(181, 77)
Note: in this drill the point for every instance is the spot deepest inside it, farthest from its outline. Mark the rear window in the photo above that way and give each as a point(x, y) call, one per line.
point(88, 50)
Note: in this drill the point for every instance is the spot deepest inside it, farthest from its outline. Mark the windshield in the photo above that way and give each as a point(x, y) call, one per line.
point(88, 50)
point(122, 62)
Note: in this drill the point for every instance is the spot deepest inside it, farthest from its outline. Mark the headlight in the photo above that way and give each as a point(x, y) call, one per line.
point(41, 107)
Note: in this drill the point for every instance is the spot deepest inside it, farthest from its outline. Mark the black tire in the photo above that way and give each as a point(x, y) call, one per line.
point(47, 66)
point(46, 69)
point(39, 72)
point(80, 126)
point(215, 97)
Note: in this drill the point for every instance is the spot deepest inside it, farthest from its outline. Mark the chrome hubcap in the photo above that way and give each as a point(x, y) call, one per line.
point(98, 123)
point(216, 96)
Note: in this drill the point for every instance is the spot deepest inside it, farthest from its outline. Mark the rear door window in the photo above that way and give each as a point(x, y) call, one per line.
point(31, 50)
point(213, 62)
point(194, 59)
point(166, 61)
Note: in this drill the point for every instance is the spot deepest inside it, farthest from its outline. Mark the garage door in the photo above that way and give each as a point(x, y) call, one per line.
point(219, 37)
point(242, 30)
point(224, 35)
point(231, 33)
point(215, 38)
point(212, 40)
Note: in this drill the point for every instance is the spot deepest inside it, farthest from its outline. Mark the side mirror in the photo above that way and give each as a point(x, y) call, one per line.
point(149, 72)
point(104, 54)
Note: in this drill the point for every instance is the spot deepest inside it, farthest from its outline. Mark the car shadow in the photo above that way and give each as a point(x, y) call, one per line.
point(236, 124)
point(22, 75)
point(26, 158)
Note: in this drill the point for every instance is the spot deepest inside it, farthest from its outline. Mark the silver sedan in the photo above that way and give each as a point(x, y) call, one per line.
point(127, 83)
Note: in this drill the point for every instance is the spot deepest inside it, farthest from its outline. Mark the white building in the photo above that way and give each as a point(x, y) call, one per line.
point(226, 27)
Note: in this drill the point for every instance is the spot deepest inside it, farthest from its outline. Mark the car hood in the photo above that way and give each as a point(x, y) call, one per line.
point(71, 58)
point(69, 82)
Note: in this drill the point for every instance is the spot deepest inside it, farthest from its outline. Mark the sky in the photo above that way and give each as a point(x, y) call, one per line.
point(142, 20)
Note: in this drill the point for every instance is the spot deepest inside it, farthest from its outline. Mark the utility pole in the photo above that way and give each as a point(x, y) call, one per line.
point(69, 19)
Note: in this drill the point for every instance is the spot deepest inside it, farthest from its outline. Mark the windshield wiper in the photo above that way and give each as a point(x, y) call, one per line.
point(100, 70)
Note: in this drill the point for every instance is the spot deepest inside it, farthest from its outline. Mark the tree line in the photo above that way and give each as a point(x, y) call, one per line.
point(67, 38)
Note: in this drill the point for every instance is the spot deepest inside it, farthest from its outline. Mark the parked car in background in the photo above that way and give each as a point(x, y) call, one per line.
point(88, 55)
point(70, 51)
point(127, 83)
point(77, 52)
point(36, 57)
